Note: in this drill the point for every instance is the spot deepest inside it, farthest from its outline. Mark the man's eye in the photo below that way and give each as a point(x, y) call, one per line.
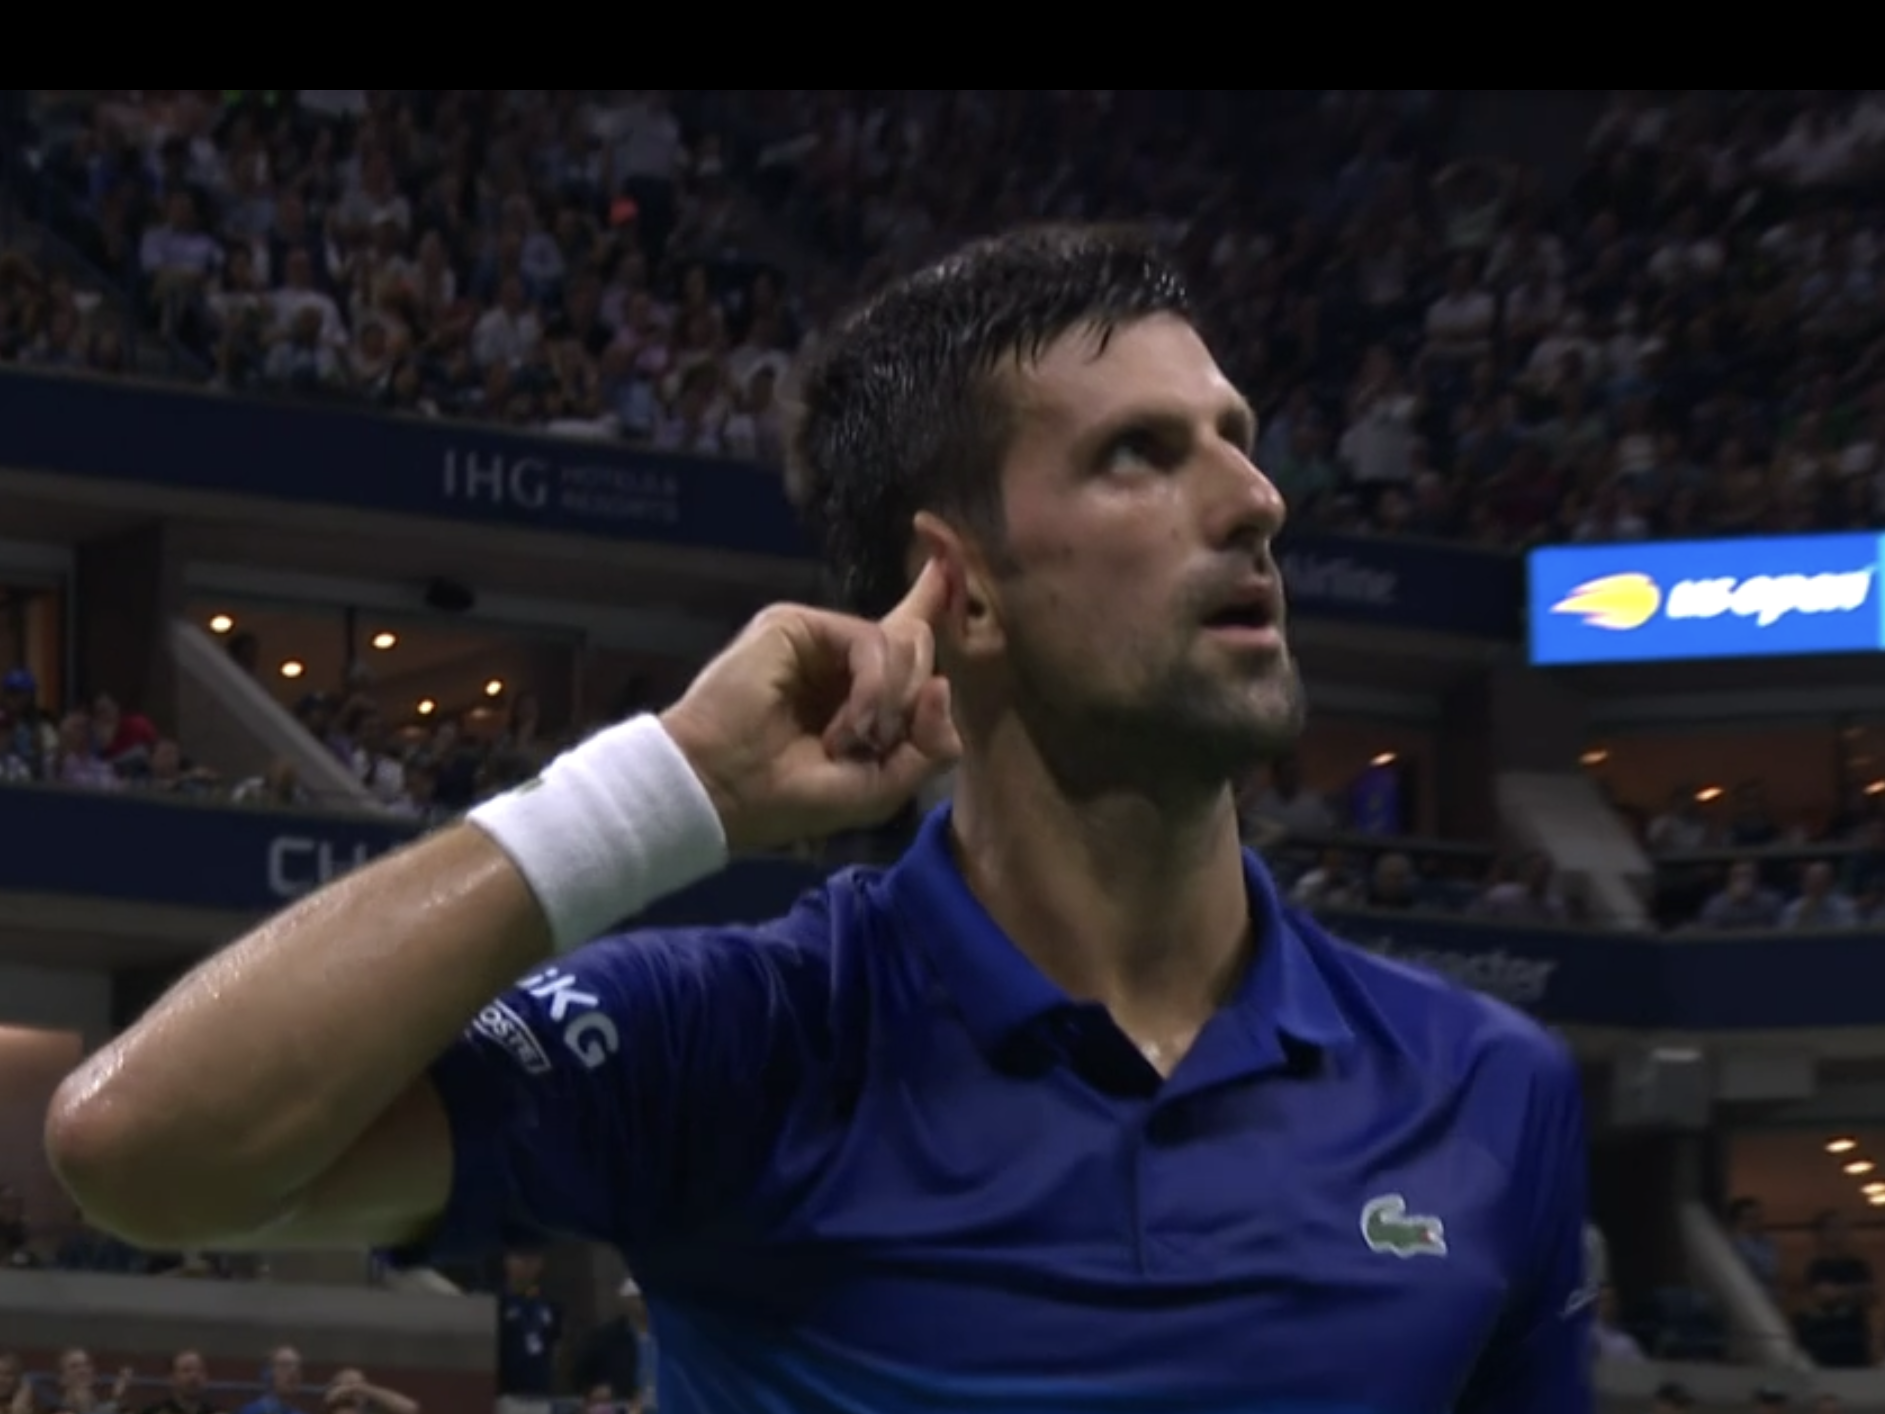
point(1136, 449)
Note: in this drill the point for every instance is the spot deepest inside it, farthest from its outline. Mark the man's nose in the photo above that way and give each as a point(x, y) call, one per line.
point(1246, 504)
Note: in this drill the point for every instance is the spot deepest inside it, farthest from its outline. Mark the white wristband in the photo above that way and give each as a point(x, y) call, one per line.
point(608, 828)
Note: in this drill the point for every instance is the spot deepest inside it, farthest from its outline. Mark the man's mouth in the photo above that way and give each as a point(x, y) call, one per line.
point(1251, 619)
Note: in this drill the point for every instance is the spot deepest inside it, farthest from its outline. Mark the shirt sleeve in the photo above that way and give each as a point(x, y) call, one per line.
point(627, 1089)
point(1541, 1356)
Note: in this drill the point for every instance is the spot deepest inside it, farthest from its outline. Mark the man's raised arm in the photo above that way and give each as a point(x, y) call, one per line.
point(279, 1094)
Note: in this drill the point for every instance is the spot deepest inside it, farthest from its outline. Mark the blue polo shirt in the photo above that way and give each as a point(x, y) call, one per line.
point(866, 1159)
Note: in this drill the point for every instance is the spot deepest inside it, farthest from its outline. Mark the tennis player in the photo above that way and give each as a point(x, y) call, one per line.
point(1063, 1113)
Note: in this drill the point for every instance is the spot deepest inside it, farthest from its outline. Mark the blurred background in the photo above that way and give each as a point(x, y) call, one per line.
point(360, 448)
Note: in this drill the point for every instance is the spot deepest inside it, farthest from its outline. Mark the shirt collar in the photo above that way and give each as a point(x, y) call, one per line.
point(1284, 995)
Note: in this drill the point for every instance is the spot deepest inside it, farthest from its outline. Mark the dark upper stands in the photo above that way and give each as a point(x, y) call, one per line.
point(1677, 336)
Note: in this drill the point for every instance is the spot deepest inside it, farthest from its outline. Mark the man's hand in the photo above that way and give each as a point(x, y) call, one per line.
point(814, 722)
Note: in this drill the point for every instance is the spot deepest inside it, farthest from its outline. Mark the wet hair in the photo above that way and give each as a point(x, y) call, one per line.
point(900, 407)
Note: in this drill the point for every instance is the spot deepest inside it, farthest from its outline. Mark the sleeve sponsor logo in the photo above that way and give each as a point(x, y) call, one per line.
point(499, 1024)
point(588, 1032)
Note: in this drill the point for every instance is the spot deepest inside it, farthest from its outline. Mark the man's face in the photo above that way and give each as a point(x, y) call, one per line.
point(1133, 518)
point(187, 1375)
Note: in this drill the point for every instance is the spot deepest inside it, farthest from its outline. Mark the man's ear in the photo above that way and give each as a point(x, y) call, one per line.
point(971, 622)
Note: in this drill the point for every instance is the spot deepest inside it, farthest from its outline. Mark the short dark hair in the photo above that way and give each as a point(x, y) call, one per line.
point(897, 408)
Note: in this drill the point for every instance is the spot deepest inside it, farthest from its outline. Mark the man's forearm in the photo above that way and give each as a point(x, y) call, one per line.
point(255, 1074)
point(224, 1116)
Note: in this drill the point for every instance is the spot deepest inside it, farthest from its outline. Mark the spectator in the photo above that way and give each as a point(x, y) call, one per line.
point(1751, 826)
point(1286, 803)
point(28, 739)
point(281, 1385)
point(530, 1327)
point(76, 762)
point(1743, 903)
point(1377, 447)
point(1820, 904)
point(178, 258)
point(420, 801)
point(302, 309)
point(125, 739)
point(78, 1386)
point(1680, 828)
point(1522, 890)
point(1460, 322)
point(374, 761)
point(170, 773)
point(508, 332)
point(1835, 1326)
point(300, 360)
point(1393, 885)
point(189, 1385)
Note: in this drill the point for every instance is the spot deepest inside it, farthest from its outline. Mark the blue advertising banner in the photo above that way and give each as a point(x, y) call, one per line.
point(200, 441)
point(459, 471)
point(149, 850)
point(1683, 982)
point(139, 849)
point(250, 861)
point(1405, 584)
point(1752, 598)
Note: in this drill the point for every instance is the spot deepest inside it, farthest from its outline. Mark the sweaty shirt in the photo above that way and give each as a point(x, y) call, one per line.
point(866, 1159)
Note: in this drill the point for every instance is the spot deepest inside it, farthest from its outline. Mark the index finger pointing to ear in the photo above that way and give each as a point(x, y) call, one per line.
point(927, 599)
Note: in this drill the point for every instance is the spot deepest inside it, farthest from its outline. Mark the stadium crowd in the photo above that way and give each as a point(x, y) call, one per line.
point(1683, 340)
point(78, 1387)
point(611, 1365)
